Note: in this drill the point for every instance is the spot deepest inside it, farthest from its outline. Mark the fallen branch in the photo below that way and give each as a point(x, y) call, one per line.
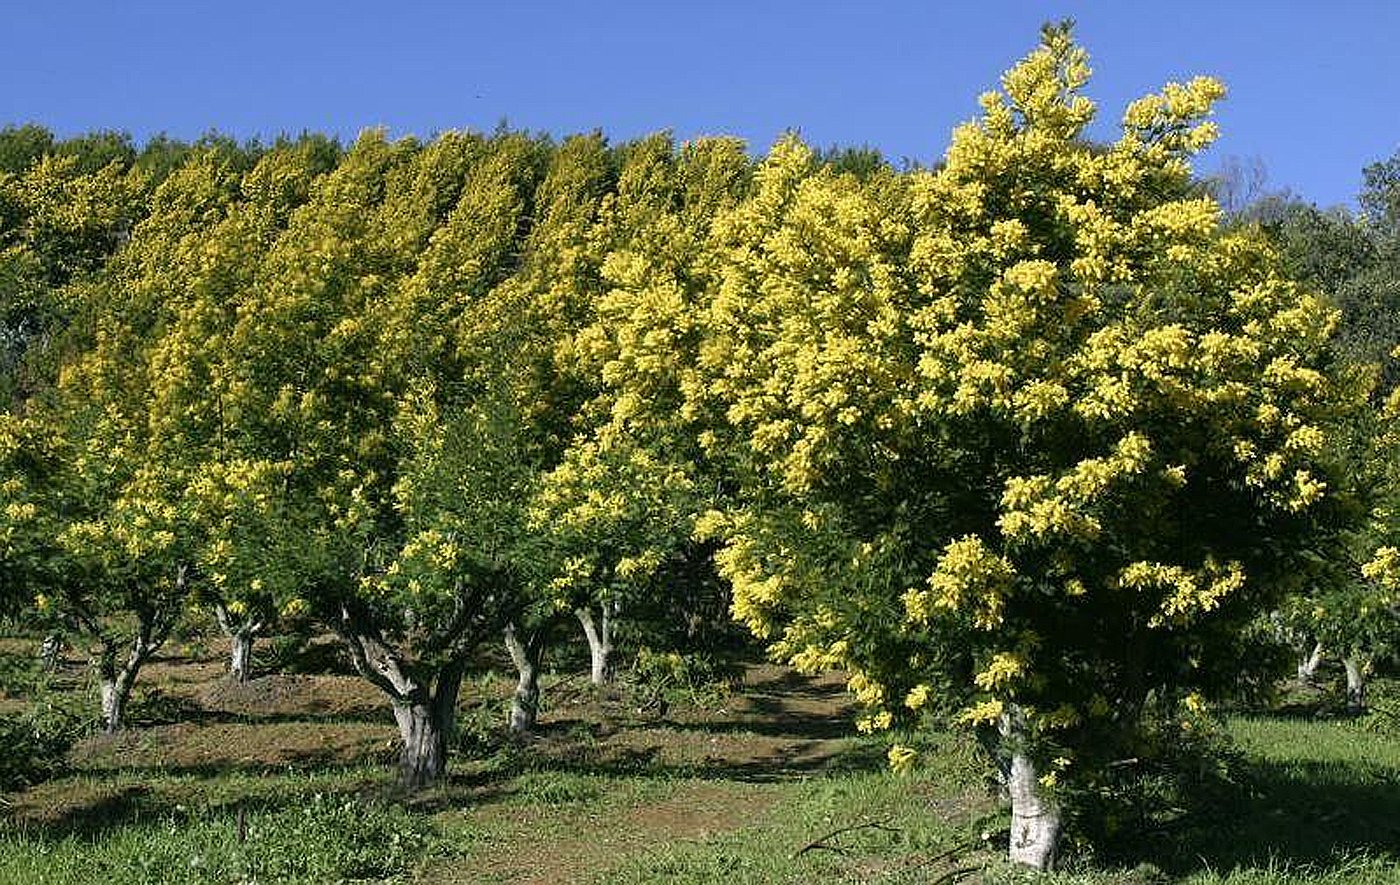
point(961, 846)
point(820, 842)
point(956, 874)
point(958, 848)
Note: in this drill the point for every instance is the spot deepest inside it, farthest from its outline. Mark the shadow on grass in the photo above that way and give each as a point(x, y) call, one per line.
point(302, 760)
point(796, 726)
point(1297, 814)
point(113, 807)
point(314, 714)
point(578, 748)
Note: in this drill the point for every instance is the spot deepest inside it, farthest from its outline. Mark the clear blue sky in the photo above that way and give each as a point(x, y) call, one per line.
point(1313, 85)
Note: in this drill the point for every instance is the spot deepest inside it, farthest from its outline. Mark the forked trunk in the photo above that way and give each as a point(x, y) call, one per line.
point(1036, 818)
point(115, 680)
point(1307, 667)
point(424, 699)
point(1356, 683)
point(525, 651)
point(116, 675)
point(114, 684)
point(600, 647)
point(240, 637)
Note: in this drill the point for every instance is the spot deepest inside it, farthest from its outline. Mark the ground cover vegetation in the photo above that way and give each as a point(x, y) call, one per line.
point(1054, 464)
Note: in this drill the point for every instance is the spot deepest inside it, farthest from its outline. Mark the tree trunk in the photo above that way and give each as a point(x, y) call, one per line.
point(1356, 683)
point(1307, 667)
point(155, 618)
point(51, 652)
point(240, 664)
point(526, 654)
point(426, 722)
point(423, 759)
point(115, 685)
point(1035, 817)
point(240, 637)
point(600, 648)
point(424, 699)
point(114, 697)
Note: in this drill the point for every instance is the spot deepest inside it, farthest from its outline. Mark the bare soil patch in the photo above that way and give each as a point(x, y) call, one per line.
point(587, 839)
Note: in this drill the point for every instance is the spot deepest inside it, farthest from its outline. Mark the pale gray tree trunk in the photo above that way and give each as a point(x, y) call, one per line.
point(1307, 667)
point(240, 665)
point(155, 618)
point(1356, 683)
point(114, 696)
point(51, 652)
point(116, 680)
point(1036, 818)
point(600, 646)
point(526, 650)
point(240, 636)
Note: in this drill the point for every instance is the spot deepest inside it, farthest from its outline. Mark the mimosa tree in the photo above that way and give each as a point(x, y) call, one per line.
point(1029, 433)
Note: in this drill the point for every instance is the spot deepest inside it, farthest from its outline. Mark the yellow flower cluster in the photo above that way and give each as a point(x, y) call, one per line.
point(1384, 568)
point(1001, 672)
point(902, 759)
point(1036, 507)
point(969, 578)
point(1186, 594)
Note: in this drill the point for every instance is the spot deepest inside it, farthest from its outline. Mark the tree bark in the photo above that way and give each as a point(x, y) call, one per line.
point(114, 696)
point(51, 652)
point(1356, 683)
point(424, 700)
point(526, 653)
point(156, 615)
point(240, 665)
point(115, 682)
point(1307, 667)
point(240, 637)
point(426, 719)
point(600, 647)
point(423, 759)
point(1036, 818)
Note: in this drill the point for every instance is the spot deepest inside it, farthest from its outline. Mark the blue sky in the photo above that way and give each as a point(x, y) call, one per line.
point(1312, 84)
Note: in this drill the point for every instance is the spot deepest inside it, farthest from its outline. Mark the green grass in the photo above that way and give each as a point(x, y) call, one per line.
point(766, 793)
point(323, 838)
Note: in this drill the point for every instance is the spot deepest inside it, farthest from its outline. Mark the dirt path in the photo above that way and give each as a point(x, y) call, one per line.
point(539, 845)
point(705, 773)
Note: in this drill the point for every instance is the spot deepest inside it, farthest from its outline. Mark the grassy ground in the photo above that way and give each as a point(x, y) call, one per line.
point(286, 779)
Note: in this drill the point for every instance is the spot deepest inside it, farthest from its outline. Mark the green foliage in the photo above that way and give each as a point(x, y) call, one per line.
point(22, 145)
point(991, 431)
point(37, 742)
point(695, 679)
point(1380, 194)
point(1349, 607)
point(1183, 769)
point(1029, 439)
point(1382, 714)
point(38, 736)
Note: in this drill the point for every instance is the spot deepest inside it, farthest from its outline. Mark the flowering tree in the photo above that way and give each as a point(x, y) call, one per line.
point(1028, 433)
point(348, 369)
point(114, 562)
point(623, 501)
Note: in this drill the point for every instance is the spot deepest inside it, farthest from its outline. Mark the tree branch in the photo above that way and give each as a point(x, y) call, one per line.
point(820, 842)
